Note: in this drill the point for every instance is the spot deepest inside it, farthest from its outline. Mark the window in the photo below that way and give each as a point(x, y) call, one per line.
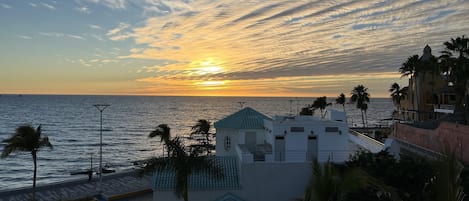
point(279, 137)
point(297, 129)
point(227, 143)
point(332, 129)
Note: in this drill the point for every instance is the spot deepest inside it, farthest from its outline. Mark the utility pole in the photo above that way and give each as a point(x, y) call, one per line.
point(101, 108)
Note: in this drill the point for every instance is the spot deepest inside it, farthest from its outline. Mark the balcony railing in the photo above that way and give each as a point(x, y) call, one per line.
point(246, 156)
point(367, 142)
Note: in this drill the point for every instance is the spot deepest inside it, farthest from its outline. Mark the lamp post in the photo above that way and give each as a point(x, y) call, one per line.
point(101, 108)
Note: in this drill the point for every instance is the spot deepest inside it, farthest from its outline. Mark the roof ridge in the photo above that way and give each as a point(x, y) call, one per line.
point(246, 118)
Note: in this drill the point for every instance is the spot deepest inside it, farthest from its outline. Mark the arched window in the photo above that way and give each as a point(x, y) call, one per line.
point(227, 143)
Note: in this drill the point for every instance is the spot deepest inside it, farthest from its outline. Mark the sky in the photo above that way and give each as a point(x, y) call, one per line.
point(282, 48)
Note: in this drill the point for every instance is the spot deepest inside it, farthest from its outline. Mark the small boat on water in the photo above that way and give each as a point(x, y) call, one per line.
point(107, 170)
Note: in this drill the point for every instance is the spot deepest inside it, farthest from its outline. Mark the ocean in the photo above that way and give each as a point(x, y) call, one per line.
point(72, 124)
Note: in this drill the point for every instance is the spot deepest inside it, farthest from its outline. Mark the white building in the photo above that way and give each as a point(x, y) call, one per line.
point(270, 158)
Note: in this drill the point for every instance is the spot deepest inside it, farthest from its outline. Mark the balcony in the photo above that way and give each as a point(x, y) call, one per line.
point(260, 153)
point(448, 109)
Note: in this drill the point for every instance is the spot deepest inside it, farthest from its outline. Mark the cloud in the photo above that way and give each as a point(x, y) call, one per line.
point(162, 8)
point(94, 62)
point(121, 32)
point(25, 37)
point(61, 35)
point(75, 36)
point(5, 6)
point(93, 26)
point(33, 4)
point(83, 9)
point(54, 34)
point(281, 40)
point(51, 7)
point(113, 4)
point(97, 37)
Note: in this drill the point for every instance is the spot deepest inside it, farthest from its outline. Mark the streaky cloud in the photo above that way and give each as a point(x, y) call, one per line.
point(51, 7)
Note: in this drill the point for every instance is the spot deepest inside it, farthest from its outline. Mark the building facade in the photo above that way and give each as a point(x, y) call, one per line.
point(270, 158)
point(428, 94)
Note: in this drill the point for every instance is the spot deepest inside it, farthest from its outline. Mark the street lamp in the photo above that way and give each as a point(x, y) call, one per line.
point(101, 108)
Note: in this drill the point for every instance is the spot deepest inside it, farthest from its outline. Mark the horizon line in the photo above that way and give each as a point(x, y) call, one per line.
point(162, 95)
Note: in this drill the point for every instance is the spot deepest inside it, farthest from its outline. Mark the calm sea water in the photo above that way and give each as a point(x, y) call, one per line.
point(72, 125)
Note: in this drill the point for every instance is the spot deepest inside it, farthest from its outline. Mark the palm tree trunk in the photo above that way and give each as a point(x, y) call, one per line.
point(186, 190)
point(366, 119)
point(34, 174)
point(467, 102)
point(363, 118)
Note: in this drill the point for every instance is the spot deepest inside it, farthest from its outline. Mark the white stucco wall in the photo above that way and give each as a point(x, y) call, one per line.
point(220, 142)
point(237, 137)
point(333, 145)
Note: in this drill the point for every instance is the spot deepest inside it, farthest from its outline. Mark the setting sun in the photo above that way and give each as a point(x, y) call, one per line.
point(206, 67)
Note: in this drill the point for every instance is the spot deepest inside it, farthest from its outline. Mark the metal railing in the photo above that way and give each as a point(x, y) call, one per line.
point(367, 142)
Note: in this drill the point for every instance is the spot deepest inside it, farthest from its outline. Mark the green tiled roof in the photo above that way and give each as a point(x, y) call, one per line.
point(247, 118)
point(164, 180)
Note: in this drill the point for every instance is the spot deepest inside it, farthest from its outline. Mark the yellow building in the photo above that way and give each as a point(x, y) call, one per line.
point(428, 94)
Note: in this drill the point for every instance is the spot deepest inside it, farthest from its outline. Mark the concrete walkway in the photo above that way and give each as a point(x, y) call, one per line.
point(117, 186)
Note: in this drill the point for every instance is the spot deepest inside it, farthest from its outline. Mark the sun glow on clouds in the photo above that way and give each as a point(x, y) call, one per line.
point(262, 42)
point(239, 47)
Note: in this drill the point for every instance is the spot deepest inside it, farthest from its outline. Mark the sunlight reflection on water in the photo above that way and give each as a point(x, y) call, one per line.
point(72, 124)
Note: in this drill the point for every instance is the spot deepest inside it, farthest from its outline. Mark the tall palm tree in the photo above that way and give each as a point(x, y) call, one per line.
point(307, 110)
point(184, 163)
point(164, 132)
point(26, 138)
point(202, 127)
point(410, 67)
point(364, 108)
point(455, 64)
point(361, 97)
point(396, 94)
point(341, 100)
point(321, 104)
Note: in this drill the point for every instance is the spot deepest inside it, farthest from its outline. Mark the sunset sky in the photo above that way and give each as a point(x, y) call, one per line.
point(217, 47)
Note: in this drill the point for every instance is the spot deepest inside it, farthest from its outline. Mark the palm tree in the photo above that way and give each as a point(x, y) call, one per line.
point(361, 97)
point(202, 127)
point(184, 164)
point(26, 138)
point(410, 67)
point(307, 110)
point(341, 100)
point(396, 94)
point(364, 108)
point(321, 103)
point(164, 132)
point(329, 183)
point(456, 68)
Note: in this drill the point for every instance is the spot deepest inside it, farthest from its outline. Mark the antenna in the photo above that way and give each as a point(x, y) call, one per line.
point(241, 104)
